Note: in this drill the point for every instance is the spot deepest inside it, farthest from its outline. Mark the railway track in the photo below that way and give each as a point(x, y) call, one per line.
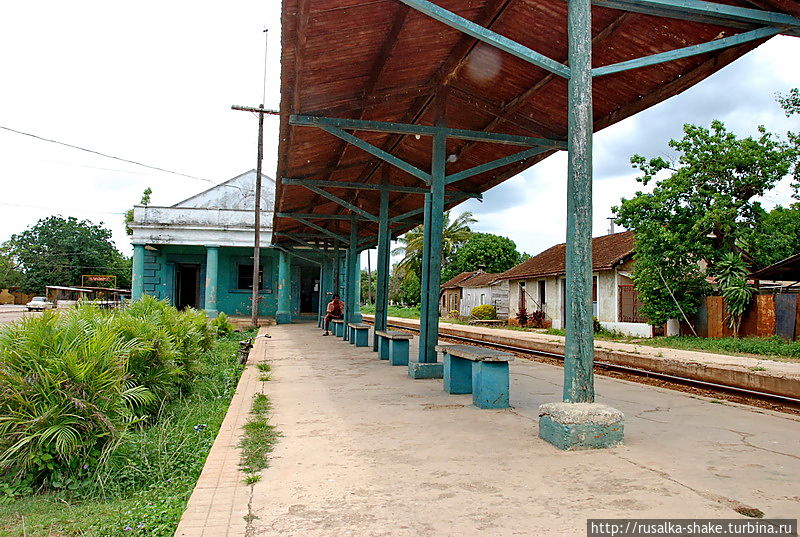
point(735, 394)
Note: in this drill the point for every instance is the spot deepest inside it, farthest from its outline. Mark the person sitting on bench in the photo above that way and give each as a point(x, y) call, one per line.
point(334, 310)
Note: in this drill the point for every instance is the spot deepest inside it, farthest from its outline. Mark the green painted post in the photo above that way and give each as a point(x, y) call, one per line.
point(423, 306)
point(212, 271)
point(434, 227)
point(382, 290)
point(323, 272)
point(137, 282)
point(579, 350)
point(349, 273)
point(284, 313)
point(356, 317)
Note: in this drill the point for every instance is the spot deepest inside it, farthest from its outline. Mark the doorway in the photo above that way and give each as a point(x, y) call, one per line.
point(187, 285)
point(309, 290)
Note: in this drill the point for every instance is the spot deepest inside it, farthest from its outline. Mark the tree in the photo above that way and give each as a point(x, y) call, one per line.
point(791, 106)
point(57, 251)
point(366, 283)
point(486, 251)
point(704, 209)
point(454, 234)
point(129, 213)
point(10, 275)
point(775, 236)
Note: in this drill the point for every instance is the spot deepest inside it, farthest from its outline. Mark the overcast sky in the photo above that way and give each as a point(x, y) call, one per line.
point(154, 82)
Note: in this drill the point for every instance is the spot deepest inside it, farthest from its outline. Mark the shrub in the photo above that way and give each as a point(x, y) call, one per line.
point(596, 325)
point(484, 312)
point(522, 316)
point(72, 383)
point(65, 397)
point(222, 325)
point(454, 314)
point(536, 319)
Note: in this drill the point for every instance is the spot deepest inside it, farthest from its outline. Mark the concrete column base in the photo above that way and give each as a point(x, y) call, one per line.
point(283, 317)
point(425, 370)
point(571, 426)
point(212, 314)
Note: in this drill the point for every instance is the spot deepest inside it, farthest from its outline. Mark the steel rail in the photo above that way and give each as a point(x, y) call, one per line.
point(620, 368)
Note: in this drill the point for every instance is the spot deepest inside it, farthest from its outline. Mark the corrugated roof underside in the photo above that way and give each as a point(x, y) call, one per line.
point(380, 60)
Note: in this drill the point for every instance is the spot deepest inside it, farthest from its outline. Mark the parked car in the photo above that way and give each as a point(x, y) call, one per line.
point(39, 303)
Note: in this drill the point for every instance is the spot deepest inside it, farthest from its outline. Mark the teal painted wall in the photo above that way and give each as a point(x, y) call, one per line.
point(159, 277)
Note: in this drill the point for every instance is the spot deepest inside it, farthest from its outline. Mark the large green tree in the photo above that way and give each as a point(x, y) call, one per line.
point(704, 208)
point(485, 251)
point(10, 275)
point(57, 251)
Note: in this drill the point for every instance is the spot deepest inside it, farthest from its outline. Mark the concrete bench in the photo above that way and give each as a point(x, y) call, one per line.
point(338, 327)
point(481, 372)
point(359, 334)
point(393, 346)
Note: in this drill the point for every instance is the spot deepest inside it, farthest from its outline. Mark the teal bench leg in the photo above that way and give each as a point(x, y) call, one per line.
point(351, 335)
point(490, 384)
point(457, 374)
point(383, 348)
point(361, 337)
point(345, 330)
point(398, 351)
point(337, 329)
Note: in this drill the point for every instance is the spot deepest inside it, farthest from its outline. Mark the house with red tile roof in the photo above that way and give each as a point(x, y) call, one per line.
point(469, 289)
point(538, 285)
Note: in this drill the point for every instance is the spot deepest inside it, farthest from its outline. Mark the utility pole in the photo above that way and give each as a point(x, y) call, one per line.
point(257, 201)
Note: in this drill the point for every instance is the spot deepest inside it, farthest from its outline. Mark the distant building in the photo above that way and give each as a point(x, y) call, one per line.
point(451, 293)
point(475, 288)
point(538, 284)
point(199, 252)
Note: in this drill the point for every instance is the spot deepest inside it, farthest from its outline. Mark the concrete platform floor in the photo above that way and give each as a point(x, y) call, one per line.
point(366, 451)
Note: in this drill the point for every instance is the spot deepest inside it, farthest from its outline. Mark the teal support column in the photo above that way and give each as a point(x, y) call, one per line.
point(284, 313)
point(212, 271)
point(356, 317)
point(423, 302)
point(579, 422)
point(351, 264)
point(579, 350)
point(427, 365)
point(321, 291)
point(137, 276)
point(382, 286)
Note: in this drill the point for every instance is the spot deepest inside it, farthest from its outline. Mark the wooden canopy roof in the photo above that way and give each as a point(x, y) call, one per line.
point(382, 60)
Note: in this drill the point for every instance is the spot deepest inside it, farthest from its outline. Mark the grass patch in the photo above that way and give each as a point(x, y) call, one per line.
point(394, 311)
point(144, 487)
point(773, 348)
point(259, 439)
point(265, 369)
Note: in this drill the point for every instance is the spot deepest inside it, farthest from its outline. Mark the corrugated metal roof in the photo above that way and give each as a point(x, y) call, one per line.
point(454, 282)
point(381, 60)
point(607, 252)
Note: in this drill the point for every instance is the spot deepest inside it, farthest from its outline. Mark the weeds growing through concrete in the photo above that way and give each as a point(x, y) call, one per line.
point(258, 441)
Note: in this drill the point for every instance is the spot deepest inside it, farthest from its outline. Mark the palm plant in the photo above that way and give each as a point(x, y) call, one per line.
point(454, 234)
point(64, 396)
point(731, 273)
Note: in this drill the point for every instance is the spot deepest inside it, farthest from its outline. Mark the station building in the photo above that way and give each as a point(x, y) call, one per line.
point(199, 253)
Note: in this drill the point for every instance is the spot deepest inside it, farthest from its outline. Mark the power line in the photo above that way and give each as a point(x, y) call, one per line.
point(105, 154)
point(57, 208)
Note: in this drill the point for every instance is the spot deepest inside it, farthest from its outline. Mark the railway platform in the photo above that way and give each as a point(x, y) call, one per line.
point(365, 450)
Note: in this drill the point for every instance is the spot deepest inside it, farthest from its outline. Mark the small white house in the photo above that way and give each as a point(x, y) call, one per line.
point(538, 284)
point(484, 288)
